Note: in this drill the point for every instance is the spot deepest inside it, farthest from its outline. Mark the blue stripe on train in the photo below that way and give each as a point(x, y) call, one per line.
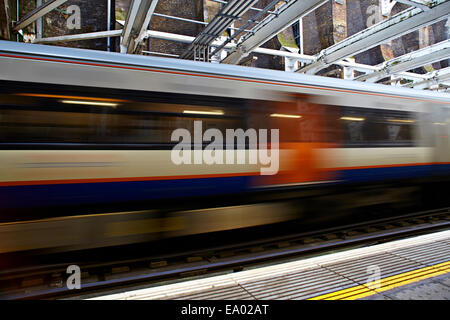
point(383, 173)
point(388, 173)
point(107, 192)
point(91, 193)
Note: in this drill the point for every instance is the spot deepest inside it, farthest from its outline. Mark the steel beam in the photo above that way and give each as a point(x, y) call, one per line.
point(168, 36)
point(433, 78)
point(80, 36)
point(292, 55)
point(188, 39)
point(37, 13)
point(4, 20)
point(251, 8)
point(254, 20)
point(108, 27)
point(434, 53)
point(422, 4)
point(136, 24)
point(271, 26)
point(233, 10)
point(398, 25)
point(187, 20)
point(39, 21)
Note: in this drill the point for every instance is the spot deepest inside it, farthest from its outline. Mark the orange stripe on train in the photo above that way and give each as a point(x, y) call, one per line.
point(198, 176)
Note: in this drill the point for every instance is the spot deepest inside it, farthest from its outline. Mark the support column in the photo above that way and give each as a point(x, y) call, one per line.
point(4, 20)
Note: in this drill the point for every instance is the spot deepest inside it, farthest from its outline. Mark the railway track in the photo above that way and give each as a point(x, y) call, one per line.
point(49, 282)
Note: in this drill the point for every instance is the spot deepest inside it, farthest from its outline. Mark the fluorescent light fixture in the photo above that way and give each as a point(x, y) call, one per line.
point(402, 120)
point(214, 113)
point(440, 123)
point(91, 103)
point(353, 118)
point(280, 115)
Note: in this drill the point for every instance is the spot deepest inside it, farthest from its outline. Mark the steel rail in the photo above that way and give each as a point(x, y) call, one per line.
point(189, 269)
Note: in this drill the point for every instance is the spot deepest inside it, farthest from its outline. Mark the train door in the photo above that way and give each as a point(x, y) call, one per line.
point(302, 131)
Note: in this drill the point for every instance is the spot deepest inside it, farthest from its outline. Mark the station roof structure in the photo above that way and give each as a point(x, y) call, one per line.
point(220, 41)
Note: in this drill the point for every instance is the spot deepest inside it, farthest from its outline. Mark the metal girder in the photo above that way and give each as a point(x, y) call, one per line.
point(188, 39)
point(396, 26)
point(252, 8)
point(229, 46)
point(232, 11)
point(80, 36)
point(168, 36)
point(4, 20)
point(39, 26)
point(116, 33)
point(434, 78)
point(254, 20)
point(136, 24)
point(422, 4)
point(271, 26)
point(434, 53)
point(287, 54)
point(37, 13)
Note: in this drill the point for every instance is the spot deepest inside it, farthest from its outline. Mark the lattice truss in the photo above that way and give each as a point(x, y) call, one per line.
point(221, 41)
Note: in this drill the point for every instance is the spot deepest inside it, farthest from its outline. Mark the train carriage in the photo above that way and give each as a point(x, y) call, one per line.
point(87, 131)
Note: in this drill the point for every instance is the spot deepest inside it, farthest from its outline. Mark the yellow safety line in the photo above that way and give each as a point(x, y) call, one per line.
point(402, 279)
point(388, 283)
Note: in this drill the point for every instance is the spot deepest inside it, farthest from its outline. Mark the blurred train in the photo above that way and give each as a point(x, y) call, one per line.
point(86, 147)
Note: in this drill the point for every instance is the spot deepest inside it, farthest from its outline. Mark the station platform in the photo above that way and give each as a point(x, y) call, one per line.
point(413, 268)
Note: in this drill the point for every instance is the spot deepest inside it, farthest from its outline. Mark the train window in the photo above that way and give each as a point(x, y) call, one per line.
point(150, 119)
point(48, 120)
point(298, 120)
point(353, 131)
point(375, 130)
point(400, 132)
point(333, 125)
point(312, 125)
point(374, 127)
point(353, 122)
